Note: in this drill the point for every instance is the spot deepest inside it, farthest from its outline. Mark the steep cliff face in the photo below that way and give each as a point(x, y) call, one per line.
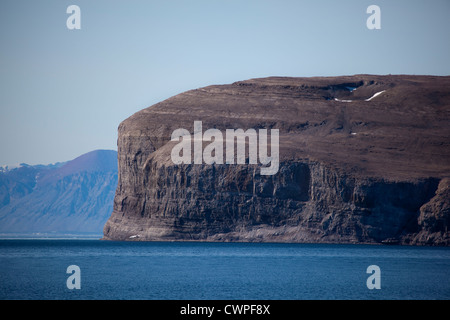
point(362, 159)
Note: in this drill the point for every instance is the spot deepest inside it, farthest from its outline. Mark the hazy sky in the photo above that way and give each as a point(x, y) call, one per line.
point(64, 92)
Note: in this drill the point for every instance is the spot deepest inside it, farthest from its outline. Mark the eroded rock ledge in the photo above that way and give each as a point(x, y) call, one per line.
point(355, 166)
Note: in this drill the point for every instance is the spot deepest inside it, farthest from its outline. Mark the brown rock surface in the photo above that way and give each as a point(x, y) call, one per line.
point(353, 167)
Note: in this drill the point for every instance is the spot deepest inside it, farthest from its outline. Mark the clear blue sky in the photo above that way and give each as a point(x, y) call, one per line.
point(64, 92)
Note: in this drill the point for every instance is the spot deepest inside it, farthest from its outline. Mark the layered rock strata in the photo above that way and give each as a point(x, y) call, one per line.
point(363, 159)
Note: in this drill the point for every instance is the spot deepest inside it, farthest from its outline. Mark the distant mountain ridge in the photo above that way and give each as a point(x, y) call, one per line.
point(71, 197)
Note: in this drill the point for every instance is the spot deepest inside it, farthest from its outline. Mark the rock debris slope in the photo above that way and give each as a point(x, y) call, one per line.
point(363, 159)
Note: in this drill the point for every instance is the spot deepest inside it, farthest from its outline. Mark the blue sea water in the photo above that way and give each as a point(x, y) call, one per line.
point(36, 269)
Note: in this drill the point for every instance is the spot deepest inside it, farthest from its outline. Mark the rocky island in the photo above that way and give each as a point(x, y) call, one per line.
point(362, 159)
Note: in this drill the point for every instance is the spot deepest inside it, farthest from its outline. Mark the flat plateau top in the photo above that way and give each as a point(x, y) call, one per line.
point(394, 127)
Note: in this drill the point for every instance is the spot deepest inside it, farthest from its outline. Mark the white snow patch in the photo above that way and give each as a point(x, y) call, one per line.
point(375, 95)
point(342, 100)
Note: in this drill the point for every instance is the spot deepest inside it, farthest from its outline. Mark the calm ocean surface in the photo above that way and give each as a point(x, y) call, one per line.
point(36, 269)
